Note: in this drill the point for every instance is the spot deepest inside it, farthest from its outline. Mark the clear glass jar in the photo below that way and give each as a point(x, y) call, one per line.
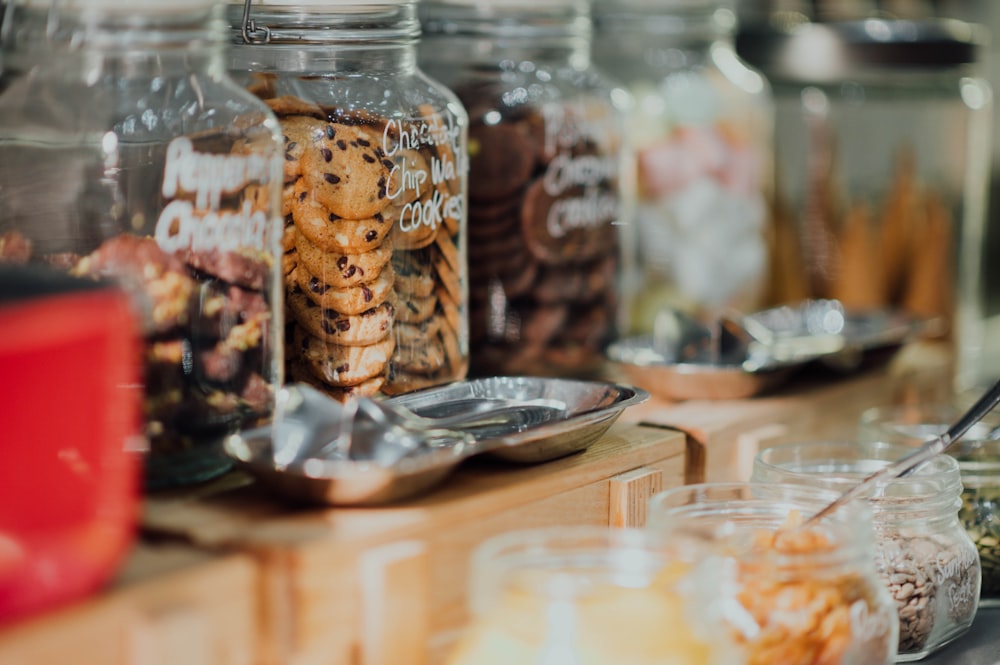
point(126, 152)
point(797, 595)
point(882, 160)
point(545, 143)
point(979, 464)
point(700, 131)
point(922, 553)
point(374, 193)
point(586, 595)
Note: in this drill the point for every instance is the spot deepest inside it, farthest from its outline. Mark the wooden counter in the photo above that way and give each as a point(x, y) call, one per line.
point(227, 574)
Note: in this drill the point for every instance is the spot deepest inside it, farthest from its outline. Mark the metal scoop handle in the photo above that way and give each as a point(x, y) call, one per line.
point(909, 463)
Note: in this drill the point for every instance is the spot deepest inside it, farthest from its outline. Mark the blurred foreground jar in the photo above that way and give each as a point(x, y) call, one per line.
point(586, 595)
point(796, 595)
point(701, 135)
point(882, 156)
point(922, 552)
point(127, 153)
point(545, 151)
point(374, 193)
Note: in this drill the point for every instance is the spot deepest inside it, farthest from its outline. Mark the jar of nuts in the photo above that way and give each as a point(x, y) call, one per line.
point(373, 193)
point(922, 552)
point(794, 594)
point(545, 141)
point(979, 464)
point(127, 154)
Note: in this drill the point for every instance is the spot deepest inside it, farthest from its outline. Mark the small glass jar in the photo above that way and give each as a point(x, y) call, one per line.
point(700, 131)
point(374, 193)
point(979, 464)
point(585, 595)
point(882, 161)
point(797, 595)
point(127, 153)
point(545, 144)
point(922, 553)
point(913, 424)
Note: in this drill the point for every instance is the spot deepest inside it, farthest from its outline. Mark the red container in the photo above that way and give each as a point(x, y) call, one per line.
point(70, 396)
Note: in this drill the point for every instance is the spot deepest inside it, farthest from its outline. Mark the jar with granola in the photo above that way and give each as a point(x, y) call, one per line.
point(700, 132)
point(794, 594)
point(922, 554)
point(979, 464)
point(545, 141)
point(127, 153)
point(373, 193)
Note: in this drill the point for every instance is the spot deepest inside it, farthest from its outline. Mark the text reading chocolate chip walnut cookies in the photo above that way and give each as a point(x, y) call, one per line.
point(374, 209)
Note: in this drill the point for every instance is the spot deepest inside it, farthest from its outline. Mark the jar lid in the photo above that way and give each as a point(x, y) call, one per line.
point(124, 6)
point(818, 52)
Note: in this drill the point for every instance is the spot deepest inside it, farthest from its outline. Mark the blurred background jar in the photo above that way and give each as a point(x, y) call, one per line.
point(586, 595)
point(374, 193)
point(922, 553)
point(784, 579)
point(127, 153)
point(545, 143)
point(882, 159)
point(700, 132)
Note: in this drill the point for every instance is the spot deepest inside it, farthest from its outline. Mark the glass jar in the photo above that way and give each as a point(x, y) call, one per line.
point(979, 464)
point(127, 153)
point(797, 595)
point(545, 143)
point(585, 595)
point(882, 158)
point(700, 131)
point(374, 193)
point(922, 553)
point(913, 424)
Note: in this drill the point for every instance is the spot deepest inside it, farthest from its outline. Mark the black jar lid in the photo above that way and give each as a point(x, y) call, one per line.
point(825, 51)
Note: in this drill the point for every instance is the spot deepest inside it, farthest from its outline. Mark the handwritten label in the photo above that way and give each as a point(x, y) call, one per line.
point(427, 193)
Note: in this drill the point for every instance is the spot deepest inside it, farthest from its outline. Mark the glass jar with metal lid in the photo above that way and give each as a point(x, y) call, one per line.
point(127, 153)
point(922, 552)
point(374, 193)
point(545, 144)
point(700, 131)
point(882, 156)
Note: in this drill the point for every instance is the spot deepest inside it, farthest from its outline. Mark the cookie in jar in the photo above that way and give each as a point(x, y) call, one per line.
point(545, 140)
point(373, 196)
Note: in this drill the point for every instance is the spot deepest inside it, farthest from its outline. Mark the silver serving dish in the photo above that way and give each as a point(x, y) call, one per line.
point(374, 452)
point(749, 354)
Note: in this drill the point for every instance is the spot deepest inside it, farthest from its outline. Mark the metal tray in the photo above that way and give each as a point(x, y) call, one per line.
point(576, 413)
point(755, 352)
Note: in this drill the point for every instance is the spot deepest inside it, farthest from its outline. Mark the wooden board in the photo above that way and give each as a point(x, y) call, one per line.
point(380, 586)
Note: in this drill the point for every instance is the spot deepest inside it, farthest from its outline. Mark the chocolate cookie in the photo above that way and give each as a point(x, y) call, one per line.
point(425, 357)
point(250, 272)
point(289, 105)
point(347, 171)
point(331, 233)
point(328, 324)
point(342, 365)
point(414, 273)
point(343, 270)
point(352, 300)
point(501, 160)
point(411, 309)
point(299, 372)
point(410, 177)
point(301, 134)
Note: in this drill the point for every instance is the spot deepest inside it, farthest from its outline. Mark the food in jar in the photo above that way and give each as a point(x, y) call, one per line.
point(802, 614)
point(982, 521)
point(543, 247)
point(373, 276)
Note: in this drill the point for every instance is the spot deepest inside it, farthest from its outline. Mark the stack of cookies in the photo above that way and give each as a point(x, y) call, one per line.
point(373, 288)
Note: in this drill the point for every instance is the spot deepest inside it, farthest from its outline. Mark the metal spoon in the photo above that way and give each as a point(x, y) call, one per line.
point(908, 463)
